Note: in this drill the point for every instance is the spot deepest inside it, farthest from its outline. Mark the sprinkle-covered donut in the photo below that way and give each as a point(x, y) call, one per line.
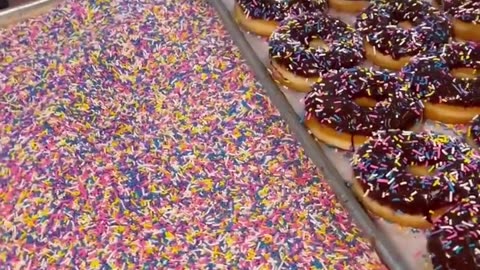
point(447, 79)
point(454, 243)
point(395, 31)
point(262, 16)
point(350, 6)
point(465, 16)
point(307, 46)
point(473, 134)
point(345, 108)
point(410, 178)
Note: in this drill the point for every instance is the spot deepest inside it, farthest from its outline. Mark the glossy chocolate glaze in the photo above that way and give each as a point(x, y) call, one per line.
point(454, 243)
point(381, 167)
point(289, 45)
point(332, 103)
point(464, 10)
point(430, 75)
point(277, 10)
point(379, 24)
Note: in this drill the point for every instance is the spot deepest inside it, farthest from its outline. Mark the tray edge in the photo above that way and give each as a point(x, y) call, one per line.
point(26, 11)
point(383, 246)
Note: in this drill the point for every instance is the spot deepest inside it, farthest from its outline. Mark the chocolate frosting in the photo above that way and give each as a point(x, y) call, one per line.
point(380, 166)
point(277, 10)
point(332, 103)
point(464, 10)
point(454, 243)
point(379, 24)
point(289, 45)
point(430, 78)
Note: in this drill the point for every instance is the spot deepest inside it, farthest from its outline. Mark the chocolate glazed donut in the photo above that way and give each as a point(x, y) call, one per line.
point(262, 16)
point(454, 243)
point(296, 63)
point(448, 80)
point(465, 16)
point(345, 108)
point(388, 183)
point(385, 184)
point(351, 6)
point(388, 44)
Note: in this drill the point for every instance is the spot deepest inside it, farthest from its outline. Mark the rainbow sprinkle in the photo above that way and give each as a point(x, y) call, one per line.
point(133, 136)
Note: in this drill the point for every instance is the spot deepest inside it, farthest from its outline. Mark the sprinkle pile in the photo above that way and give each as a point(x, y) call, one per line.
point(130, 140)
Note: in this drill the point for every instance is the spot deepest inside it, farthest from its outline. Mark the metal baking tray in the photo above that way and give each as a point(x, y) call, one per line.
point(22, 12)
point(318, 152)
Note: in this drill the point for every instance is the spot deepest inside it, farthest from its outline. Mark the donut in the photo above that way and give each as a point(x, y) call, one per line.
point(465, 16)
point(454, 242)
point(395, 31)
point(262, 16)
point(350, 6)
point(447, 79)
point(307, 46)
point(3, 4)
point(473, 133)
point(411, 178)
point(347, 107)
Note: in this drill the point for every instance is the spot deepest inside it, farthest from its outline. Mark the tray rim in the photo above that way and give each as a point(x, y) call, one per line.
point(384, 247)
point(13, 15)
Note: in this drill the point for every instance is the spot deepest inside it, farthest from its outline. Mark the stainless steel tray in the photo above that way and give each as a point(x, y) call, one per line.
point(16, 14)
point(317, 152)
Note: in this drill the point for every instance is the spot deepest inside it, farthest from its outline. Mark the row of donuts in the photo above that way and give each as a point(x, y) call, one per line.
point(417, 179)
point(425, 180)
point(375, 112)
point(306, 46)
point(349, 105)
point(262, 17)
point(443, 77)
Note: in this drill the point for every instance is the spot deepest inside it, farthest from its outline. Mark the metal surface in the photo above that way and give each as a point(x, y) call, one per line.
point(382, 244)
point(22, 12)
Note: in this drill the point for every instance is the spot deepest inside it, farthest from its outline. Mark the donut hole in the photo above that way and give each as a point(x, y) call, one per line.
point(462, 72)
point(421, 170)
point(365, 102)
point(318, 43)
point(405, 25)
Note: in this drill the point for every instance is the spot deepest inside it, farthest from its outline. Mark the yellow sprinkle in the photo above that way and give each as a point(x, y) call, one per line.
point(250, 254)
point(95, 264)
point(169, 236)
